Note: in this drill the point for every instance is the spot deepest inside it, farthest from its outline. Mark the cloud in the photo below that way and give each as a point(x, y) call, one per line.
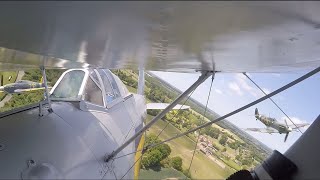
point(234, 87)
point(218, 91)
point(275, 74)
point(242, 81)
point(266, 90)
point(246, 86)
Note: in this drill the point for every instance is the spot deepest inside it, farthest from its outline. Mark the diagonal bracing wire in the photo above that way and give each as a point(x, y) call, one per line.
point(131, 167)
point(271, 100)
point(204, 113)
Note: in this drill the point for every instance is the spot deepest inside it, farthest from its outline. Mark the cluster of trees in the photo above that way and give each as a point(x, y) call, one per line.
point(152, 157)
point(223, 140)
point(212, 132)
point(127, 80)
point(36, 75)
point(158, 93)
point(245, 160)
point(20, 100)
point(254, 152)
point(31, 97)
point(235, 145)
point(183, 119)
point(158, 156)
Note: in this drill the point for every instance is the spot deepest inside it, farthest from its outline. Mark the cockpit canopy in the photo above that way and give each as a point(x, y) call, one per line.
point(96, 86)
point(272, 119)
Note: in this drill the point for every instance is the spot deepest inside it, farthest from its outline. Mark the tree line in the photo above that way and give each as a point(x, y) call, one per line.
point(158, 156)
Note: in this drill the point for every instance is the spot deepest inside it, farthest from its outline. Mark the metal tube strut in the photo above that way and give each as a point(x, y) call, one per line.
point(141, 82)
point(43, 70)
point(200, 80)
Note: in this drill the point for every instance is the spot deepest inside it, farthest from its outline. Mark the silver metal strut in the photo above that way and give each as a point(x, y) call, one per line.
point(200, 80)
point(141, 82)
point(46, 92)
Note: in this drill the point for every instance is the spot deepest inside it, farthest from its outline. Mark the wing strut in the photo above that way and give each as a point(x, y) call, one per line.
point(200, 80)
point(43, 70)
point(141, 82)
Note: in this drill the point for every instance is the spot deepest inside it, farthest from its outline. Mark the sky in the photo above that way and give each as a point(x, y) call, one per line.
point(233, 90)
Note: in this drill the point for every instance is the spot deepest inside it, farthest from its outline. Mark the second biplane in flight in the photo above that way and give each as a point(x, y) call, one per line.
point(274, 126)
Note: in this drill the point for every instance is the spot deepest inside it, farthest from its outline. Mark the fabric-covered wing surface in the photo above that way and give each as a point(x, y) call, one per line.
point(169, 36)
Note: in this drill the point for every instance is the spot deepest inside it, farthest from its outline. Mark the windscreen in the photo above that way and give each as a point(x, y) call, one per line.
point(69, 86)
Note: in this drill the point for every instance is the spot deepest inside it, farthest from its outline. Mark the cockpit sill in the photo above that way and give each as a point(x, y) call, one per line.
point(43, 104)
point(21, 109)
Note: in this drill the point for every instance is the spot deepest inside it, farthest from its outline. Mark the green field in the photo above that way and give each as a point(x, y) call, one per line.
point(131, 89)
point(6, 80)
point(202, 167)
point(6, 76)
point(162, 174)
point(2, 95)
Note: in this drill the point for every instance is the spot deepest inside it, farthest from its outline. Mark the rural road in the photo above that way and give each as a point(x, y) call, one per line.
point(9, 96)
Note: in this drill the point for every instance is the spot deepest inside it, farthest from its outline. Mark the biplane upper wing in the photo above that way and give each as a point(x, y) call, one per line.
point(262, 130)
point(167, 36)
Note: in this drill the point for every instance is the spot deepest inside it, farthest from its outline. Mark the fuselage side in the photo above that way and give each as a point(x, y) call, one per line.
point(72, 141)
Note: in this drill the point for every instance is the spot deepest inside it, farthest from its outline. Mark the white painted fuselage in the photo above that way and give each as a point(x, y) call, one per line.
point(72, 141)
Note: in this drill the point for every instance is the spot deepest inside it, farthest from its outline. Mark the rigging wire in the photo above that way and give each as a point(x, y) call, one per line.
point(292, 83)
point(271, 100)
point(204, 113)
point(131, 167)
